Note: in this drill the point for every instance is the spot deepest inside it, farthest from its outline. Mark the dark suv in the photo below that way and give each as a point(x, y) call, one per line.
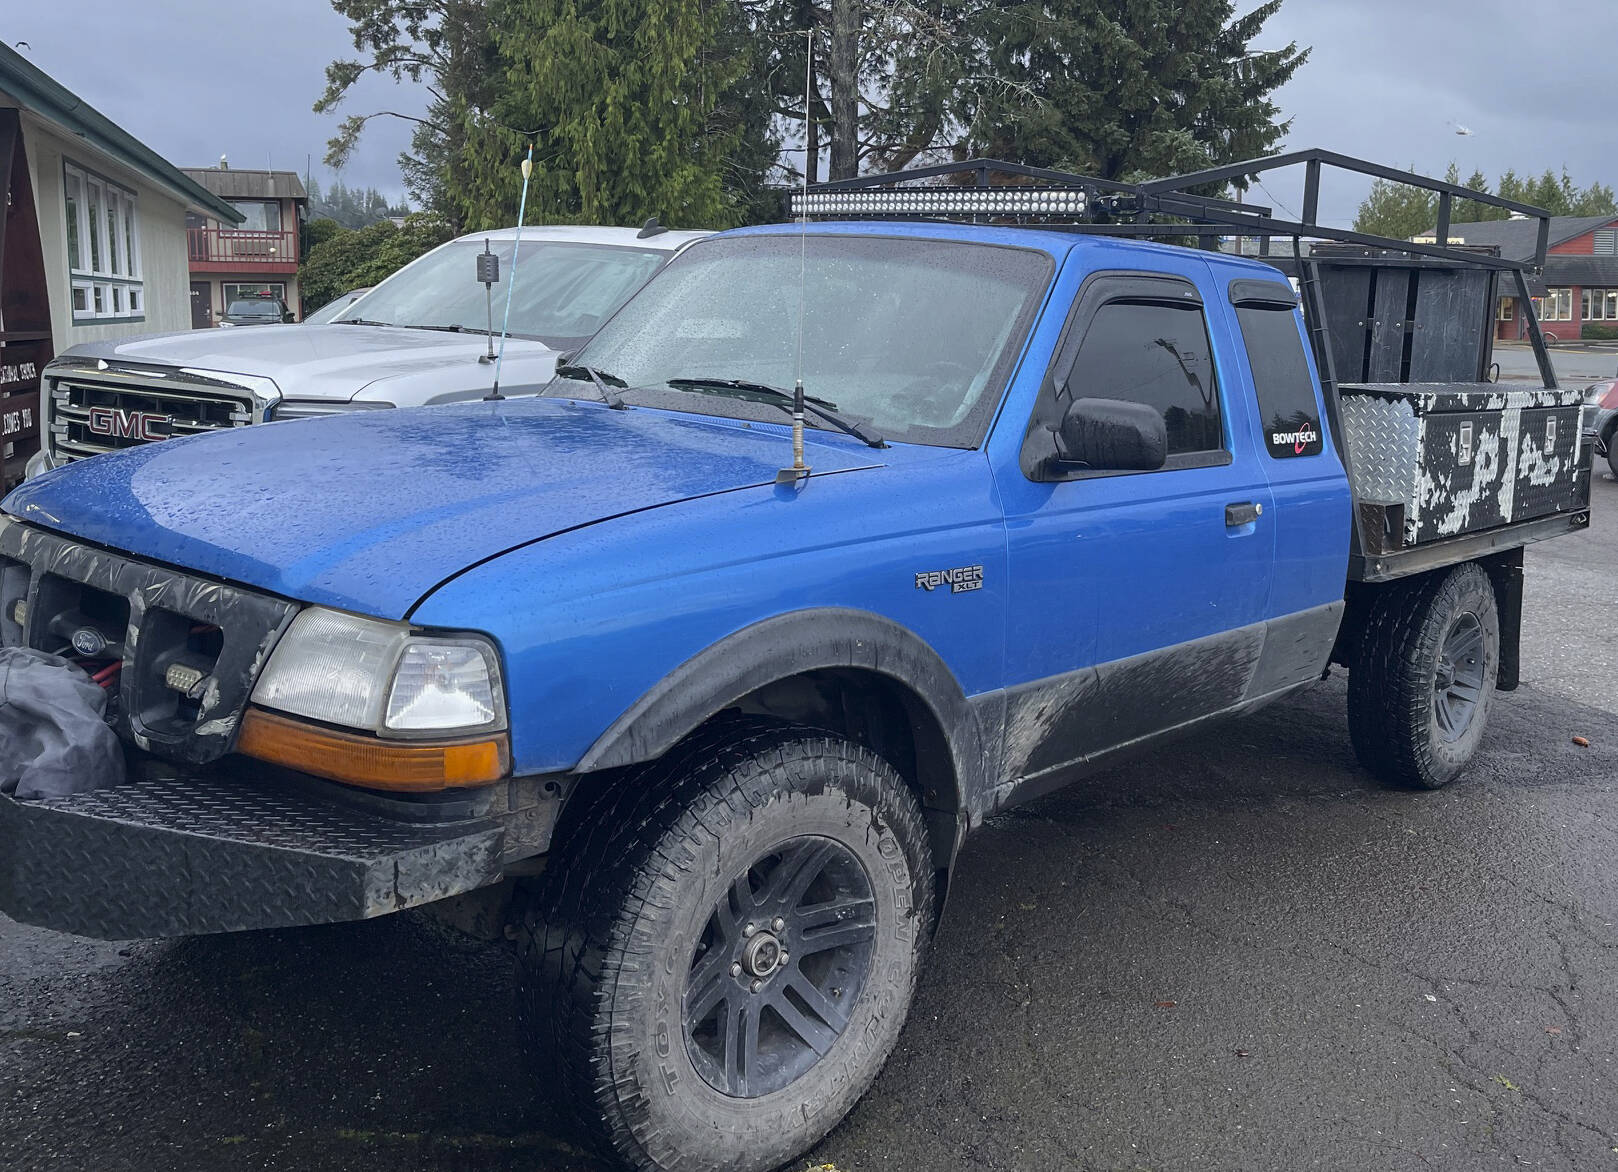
point(256, 311)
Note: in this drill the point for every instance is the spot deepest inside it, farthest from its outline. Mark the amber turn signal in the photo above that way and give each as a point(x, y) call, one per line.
point(417, 766)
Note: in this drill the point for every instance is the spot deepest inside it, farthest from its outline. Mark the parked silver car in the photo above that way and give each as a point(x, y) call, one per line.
point(421, 336)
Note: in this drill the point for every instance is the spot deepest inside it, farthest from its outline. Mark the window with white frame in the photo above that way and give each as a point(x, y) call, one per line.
point(103, 248)
point(1600, 305)
point(1508, 309)
point(1556, 305)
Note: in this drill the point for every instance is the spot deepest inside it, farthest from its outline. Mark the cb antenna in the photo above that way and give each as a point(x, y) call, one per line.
point(799, 470)
point(505, 322)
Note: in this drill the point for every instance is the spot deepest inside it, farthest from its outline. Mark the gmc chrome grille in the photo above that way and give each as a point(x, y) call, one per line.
point(88, 417)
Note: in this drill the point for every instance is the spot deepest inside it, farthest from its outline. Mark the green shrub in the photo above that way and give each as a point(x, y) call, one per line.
point(351, 258)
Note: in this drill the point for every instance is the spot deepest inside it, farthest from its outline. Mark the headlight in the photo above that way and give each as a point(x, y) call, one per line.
point(316, 408)
point(382, 678)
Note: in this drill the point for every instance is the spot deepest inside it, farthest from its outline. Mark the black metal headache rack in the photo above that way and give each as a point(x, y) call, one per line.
point(1445, 465)
point(1000, 192)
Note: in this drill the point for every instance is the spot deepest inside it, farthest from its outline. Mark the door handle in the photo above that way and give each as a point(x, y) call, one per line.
point(1244, 513)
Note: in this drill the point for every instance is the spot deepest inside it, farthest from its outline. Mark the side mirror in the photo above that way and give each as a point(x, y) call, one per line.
point(1111, 435)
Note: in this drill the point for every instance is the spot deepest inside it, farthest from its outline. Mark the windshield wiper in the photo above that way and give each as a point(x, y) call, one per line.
point(775, 396)
point(601, 379)
point(359, 321)
point(450, 329)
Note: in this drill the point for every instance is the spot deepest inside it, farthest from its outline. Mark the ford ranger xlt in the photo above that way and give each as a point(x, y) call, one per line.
point(838, 538)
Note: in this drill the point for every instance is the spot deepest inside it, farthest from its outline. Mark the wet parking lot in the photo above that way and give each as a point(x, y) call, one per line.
point(1240, 953)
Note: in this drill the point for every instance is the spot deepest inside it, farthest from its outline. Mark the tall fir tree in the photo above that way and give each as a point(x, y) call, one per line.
point(1399, 211)
point(1124, 88)
point(627, 104)
point(443, 45)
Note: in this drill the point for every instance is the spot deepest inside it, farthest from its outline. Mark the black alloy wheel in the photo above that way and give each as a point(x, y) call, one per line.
point(780, 966)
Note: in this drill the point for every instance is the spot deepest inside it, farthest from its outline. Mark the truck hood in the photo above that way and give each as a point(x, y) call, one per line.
point(370, 512)
point(336, 362)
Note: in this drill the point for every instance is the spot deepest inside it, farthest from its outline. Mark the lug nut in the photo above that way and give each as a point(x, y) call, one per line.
point(735, 970)
point(757, 985)
point(783, 960)
point(778, 924)
point(750, 930)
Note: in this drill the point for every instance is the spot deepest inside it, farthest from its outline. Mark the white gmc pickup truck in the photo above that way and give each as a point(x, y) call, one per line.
point(421, 336)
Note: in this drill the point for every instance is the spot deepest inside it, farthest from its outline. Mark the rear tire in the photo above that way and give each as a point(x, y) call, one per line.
point(680, 1039)
point(1612, 456)
point(1423, 678)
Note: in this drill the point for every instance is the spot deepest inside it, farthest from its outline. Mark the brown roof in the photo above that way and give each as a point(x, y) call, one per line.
point(234, 184)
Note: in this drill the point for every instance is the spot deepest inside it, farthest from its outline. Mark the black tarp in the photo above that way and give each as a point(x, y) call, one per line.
point(54, 738)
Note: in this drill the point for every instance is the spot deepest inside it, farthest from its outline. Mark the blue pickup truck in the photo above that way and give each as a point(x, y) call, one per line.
point(718, 709)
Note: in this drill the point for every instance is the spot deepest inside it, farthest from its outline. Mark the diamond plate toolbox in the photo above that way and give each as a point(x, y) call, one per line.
point(1460, 457)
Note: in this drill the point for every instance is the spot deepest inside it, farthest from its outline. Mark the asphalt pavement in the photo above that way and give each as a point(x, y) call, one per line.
point(1576, 364)
point(1241, 953)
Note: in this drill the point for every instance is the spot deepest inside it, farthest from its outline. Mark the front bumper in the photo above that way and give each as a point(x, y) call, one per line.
point(176, 852)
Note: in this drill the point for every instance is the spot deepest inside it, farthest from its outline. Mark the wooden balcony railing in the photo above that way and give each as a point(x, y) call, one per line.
point(224, 246)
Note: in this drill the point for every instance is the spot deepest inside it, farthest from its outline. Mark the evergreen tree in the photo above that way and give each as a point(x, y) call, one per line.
point(442, 44)
point(1122, 88)
point(1466, 211)
point(344, 259)
point(625, 103)
point(1397, 210)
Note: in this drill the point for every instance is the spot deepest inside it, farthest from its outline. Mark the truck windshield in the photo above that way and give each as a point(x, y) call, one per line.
point(563, 293)
point(913, 335)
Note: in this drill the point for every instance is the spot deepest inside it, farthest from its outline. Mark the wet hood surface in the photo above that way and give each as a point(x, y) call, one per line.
point(371, 512)
point(321, 362)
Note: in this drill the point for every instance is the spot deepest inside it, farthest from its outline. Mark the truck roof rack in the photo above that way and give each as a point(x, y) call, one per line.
point(996, 191)
point(1040, 196)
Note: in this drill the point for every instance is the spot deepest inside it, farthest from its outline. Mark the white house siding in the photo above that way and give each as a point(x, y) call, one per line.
point(165, 269)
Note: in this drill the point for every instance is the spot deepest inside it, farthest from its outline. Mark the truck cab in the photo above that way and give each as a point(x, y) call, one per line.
point(837, 539)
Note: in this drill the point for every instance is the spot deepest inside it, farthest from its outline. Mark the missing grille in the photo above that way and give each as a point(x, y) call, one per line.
point(174, 678)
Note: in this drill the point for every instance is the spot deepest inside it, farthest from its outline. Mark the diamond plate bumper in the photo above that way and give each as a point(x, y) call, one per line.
point(183, 855)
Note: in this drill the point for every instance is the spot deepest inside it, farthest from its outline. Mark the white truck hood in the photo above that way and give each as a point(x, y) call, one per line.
point(343, 363)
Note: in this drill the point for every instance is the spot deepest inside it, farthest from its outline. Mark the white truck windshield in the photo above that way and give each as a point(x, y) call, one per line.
point(564, 291)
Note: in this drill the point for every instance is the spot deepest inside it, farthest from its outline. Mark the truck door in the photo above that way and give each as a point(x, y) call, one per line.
point(1137, 598)
point(1312, 500)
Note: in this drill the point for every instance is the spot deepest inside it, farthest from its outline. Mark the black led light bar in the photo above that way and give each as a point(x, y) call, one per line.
point(1071, 203)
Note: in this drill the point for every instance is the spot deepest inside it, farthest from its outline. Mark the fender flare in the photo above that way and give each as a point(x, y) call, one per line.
point(777, 649)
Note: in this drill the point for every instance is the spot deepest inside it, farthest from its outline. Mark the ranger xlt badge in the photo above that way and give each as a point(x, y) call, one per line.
point(959, 580)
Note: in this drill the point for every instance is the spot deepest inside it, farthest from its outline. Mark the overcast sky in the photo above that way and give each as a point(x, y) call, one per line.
point(1389, 80)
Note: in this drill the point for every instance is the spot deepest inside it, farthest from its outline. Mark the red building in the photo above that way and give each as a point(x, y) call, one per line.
point(257, 257)
point(1577, 296)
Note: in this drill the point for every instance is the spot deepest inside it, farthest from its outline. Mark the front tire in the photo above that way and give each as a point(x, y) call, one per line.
point(1423, 678)
point(722, 951)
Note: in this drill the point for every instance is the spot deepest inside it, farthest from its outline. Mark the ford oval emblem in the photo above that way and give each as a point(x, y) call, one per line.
point(89, 641)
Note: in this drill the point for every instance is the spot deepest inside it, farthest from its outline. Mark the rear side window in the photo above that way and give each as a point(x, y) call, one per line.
point(1157, 354)
point(1288, 410)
